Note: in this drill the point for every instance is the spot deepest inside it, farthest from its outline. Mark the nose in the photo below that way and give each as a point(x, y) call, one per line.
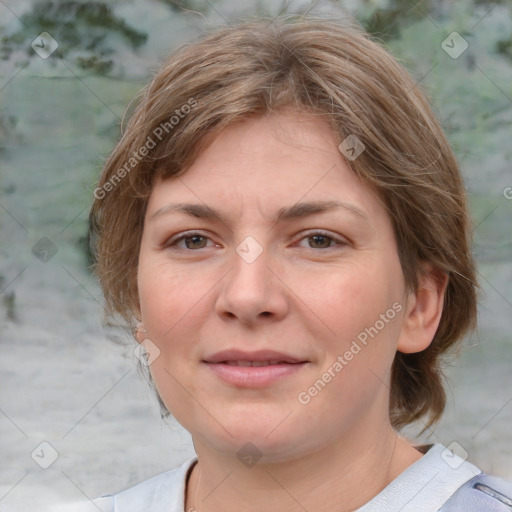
point(252, 292)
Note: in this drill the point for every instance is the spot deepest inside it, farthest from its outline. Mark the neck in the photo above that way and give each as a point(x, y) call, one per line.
point(342, 477)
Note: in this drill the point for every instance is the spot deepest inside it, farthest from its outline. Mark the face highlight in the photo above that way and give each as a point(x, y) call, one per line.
point(270, 245)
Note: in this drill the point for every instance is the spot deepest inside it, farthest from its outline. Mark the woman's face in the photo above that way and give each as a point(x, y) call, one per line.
point(248, 252)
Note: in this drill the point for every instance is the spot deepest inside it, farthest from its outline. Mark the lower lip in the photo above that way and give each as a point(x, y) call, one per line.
point(254, 376)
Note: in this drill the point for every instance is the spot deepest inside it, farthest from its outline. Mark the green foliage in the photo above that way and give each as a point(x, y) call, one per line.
point(95, 64)
point(77, 27)
point(7, 130)
point(386, 22)
point(188, 5)
point(504, 47)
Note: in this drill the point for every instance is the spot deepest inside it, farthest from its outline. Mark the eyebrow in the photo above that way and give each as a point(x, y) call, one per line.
point(296, 211)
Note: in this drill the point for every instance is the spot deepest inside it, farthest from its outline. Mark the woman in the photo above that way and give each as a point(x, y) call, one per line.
point(286, 224)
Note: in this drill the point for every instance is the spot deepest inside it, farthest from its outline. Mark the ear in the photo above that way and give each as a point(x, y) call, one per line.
point(424, 310)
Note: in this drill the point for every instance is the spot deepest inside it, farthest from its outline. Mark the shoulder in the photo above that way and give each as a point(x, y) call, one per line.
point(482, 493)
point(444, 482)
point(161, 493)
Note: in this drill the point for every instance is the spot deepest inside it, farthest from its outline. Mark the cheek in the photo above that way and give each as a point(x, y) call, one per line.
point(166, 294)
point(348, 299)
point(361, 305)
point(167, 302)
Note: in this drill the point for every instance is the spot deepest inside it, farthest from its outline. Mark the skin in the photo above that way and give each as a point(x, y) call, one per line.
point(307, 295)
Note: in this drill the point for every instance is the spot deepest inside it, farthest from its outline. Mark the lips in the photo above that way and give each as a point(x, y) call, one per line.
point(253, 369)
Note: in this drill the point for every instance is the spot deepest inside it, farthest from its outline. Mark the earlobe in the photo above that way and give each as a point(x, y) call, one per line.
point(424, 310)
point(139, 332)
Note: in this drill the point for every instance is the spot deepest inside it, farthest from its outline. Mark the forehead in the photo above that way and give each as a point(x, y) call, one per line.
point(260, 164)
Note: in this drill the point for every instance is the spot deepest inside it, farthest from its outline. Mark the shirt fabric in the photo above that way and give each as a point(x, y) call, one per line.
point(428, 485)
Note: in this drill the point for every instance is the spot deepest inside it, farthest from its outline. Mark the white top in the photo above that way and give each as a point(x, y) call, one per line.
point(423, 487)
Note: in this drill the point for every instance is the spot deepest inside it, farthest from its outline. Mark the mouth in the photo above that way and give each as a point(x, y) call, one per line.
point(253, 369)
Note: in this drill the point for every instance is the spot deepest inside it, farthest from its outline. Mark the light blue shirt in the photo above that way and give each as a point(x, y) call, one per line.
point(425, 486)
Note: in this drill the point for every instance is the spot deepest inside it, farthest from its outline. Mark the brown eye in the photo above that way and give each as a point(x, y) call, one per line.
point(188, 242)
point(320, 240)
point(195, 242)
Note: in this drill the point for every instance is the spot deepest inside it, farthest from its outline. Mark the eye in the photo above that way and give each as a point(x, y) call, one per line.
point(192, 240)
point(322, 240)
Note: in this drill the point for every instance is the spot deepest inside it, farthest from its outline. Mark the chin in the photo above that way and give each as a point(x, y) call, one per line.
point(267, 438)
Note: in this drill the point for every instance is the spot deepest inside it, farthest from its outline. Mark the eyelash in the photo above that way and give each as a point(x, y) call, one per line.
point(172, 242)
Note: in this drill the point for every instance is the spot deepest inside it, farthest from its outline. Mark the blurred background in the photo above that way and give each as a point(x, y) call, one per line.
point(77, 418)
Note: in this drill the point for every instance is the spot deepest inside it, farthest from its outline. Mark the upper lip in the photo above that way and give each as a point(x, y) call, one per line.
point(259, 355)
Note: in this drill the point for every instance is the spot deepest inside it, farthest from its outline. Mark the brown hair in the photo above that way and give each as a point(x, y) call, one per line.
point(322, 67)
